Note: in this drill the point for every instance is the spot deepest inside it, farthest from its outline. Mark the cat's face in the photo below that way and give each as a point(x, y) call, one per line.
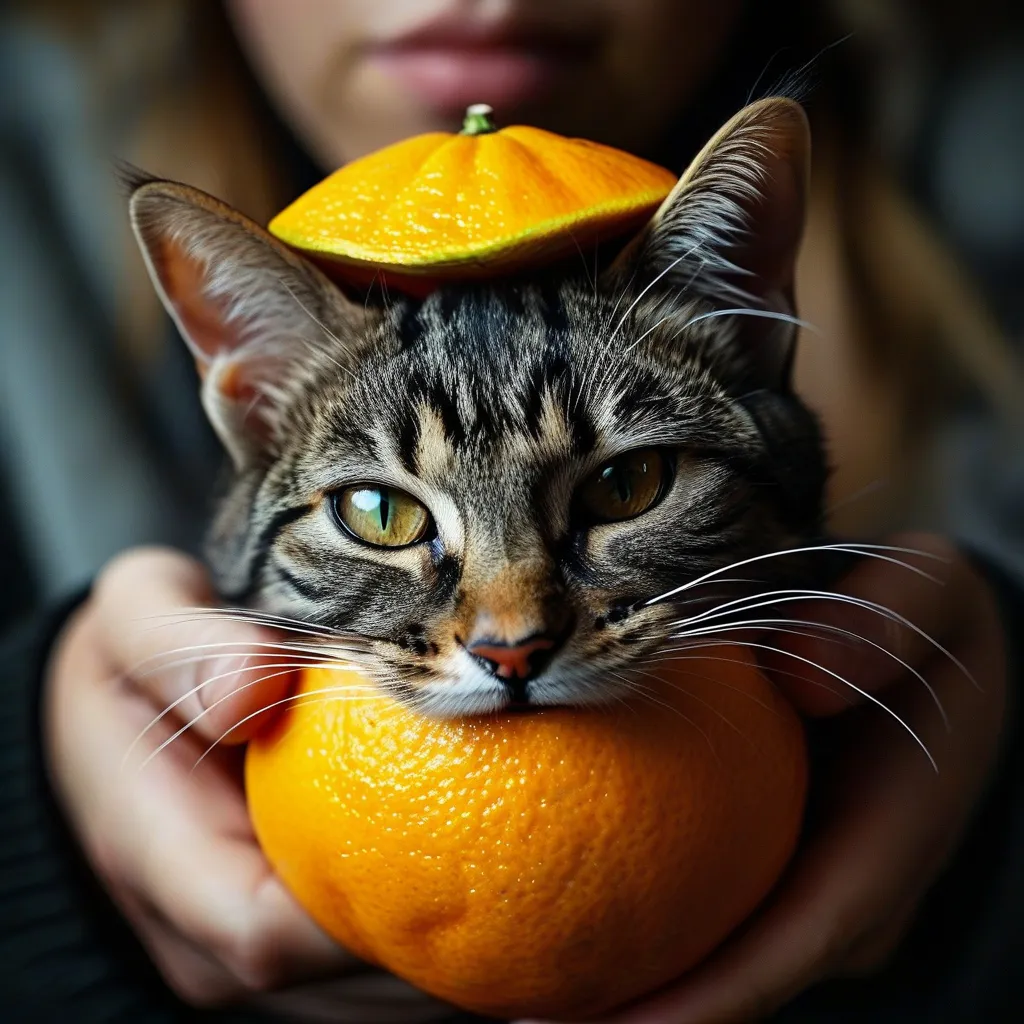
point(489, 488)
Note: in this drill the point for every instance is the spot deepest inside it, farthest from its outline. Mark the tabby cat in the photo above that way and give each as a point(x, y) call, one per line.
point(503, 494)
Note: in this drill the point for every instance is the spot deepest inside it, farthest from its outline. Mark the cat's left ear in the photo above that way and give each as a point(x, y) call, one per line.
point(730, 230)
point(254, 314)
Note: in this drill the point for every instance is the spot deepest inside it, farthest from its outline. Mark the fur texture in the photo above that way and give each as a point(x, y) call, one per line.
point(492, 406)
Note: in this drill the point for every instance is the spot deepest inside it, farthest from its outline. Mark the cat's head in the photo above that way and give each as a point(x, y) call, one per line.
point(489, 487)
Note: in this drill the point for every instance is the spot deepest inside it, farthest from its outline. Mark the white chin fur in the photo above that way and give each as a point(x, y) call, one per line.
point(467, 689)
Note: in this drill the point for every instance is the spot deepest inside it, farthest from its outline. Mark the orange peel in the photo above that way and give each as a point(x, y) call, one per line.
point(479, 203)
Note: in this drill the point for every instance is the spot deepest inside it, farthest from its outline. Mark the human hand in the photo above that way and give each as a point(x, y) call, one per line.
point(891, 820)
point(171, 840)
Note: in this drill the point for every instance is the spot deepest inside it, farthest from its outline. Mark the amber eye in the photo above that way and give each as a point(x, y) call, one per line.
point(625, 487)
point(382, 516)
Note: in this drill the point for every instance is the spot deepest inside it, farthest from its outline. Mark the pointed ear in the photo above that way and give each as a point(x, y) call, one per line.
point(730, 230)
point(253, 313)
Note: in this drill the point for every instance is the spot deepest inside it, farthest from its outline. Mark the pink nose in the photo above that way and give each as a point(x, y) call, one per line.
point(521, 660)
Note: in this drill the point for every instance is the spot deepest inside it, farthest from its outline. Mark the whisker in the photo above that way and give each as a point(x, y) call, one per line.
point(836, 629)
point(754, 624)
point(297, 700)
point(864, 693)
point(650, 330)
point(286, 667)
point(645, 692)
point(646, 695)
point(199, 614)
point(661, 274)
point(682, 689)
point(858, 602)
point(764, 314)
point(240, 647)
point(242, 653)
point(862, 550)
point(700, 646)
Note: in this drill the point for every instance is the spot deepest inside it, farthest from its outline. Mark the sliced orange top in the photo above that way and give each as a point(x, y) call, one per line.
point(474, 203)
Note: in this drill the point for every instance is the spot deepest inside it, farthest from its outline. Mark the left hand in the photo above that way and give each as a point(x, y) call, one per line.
point(890, 820)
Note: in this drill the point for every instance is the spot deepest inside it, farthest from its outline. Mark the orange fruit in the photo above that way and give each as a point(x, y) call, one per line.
point(556, 863)
point(474, 204)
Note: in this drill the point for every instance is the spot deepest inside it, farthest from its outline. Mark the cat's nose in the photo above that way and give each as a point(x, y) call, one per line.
point(518, 661)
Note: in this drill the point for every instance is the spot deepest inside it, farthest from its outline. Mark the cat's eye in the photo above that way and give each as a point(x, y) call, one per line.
point(382, 516)
point(624, 487)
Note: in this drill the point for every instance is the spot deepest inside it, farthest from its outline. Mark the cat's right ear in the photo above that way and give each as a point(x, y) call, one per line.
point(252, 312)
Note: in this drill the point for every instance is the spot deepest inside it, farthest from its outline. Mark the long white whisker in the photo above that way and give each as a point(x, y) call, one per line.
point(224, 647)
point(858, 602)
point(629, 309)
point(259, 618)
point(650, 330)
point(286, 669)
point(245, 614)
point(699, 646)
point(834, 629)
point(296, 699)
point(863, 550)
point(770, 598)
point(764, 314)
point(789, 654)
point(242, 653)
point(262, 679)
point(864, 693)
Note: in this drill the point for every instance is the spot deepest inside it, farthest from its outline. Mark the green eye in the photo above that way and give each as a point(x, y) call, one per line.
point(382, 516)
point(624, 487)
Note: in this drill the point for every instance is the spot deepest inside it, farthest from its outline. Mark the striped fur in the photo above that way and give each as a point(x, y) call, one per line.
point(491, 404)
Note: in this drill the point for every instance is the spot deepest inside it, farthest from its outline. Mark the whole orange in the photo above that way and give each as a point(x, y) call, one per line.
point(555, 863)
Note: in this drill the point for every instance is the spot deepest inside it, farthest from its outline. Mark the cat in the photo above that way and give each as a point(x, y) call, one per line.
point(503, 495)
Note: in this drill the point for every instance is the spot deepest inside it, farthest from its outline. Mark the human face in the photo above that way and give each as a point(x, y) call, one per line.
point(354, 75)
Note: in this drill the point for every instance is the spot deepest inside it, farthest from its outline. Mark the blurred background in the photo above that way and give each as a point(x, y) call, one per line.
point(85, 84)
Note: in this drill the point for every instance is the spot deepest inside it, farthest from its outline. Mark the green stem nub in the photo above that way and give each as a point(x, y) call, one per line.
point(478, 120)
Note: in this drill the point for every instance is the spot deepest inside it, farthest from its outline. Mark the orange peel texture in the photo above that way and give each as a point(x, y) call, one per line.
point(554, 864)
point(445, 206)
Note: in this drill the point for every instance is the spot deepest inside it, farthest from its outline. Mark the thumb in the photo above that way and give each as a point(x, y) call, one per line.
point(199, 667)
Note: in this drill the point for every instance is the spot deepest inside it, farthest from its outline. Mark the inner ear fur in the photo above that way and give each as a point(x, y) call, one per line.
point(731, 227)
point(252, 312)
point(221, 276)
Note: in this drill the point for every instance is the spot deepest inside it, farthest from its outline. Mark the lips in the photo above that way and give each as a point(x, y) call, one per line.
point(449, 64)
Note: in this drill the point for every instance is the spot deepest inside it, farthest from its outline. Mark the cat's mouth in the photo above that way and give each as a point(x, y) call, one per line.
point(461, 685)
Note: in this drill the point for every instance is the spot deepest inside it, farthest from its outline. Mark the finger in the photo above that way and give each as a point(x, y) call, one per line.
point(182, 841)
point(885, 622)
point(212, 672)
point(877, 946)
point(194, 975)
point(372, 997)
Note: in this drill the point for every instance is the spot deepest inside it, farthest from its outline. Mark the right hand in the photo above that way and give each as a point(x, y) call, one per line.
point(172, 842)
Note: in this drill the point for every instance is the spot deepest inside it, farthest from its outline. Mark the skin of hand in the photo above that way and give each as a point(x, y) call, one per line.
point(170, 841)
point(175, 849)
point(893, 820)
